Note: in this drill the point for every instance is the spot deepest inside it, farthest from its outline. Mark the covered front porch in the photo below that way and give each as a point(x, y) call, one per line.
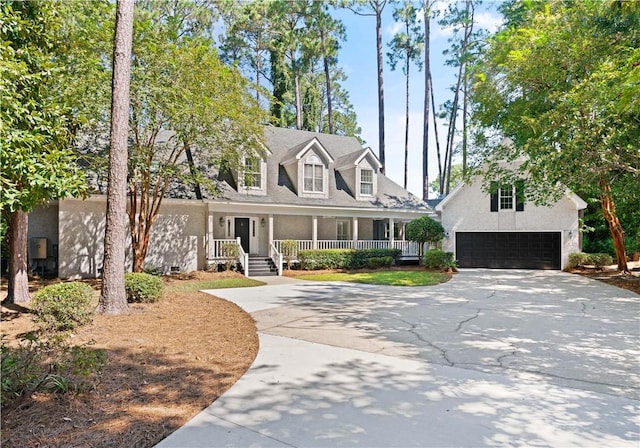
point(260, 235)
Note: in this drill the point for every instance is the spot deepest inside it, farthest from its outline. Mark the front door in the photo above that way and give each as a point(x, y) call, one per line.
point(242, 232)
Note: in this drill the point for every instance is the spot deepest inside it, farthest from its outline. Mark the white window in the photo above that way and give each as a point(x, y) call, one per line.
point(506, 195)
point(366, 182)
point(251, 176)
point(342, 230)
point(313, 175)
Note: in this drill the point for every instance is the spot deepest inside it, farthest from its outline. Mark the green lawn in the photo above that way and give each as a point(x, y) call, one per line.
point(240, 282)
point(393, 278)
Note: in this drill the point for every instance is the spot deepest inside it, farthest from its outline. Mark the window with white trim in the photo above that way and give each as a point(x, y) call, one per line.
point(506, 195)
point(313, 175)
point(252, 176)
point(366, 182)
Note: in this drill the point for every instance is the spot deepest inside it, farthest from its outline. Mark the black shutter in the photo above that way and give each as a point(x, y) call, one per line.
point(494, 196)
point(519, 195)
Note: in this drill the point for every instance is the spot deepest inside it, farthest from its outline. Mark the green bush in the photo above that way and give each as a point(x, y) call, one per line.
point(231, 254)
point(325, 258)
point(47, 365)
point(600, 260)
point(289, 250)
point(577, 259)
point(63, 306)
point(344, 258)
point(439, 259)
point(379, 262)
point(580, 259)
point(142, 287)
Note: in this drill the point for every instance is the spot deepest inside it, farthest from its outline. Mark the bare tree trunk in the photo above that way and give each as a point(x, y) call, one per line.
point(113, 299)
point(436, 133)
point(380, 90)
point(296, 80)
point(406, 126)
point(18, 285)
point(427, 85)
point(617, 233)
point(327, 76)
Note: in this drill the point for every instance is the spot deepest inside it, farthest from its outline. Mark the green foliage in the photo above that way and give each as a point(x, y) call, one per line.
point(439, 259)
point(325, 258)
point(424, 230)
point(289, 250)
point(582, 259)
point(37, 127)
point(231, 254)
point(344, 258)
point(379, 262)
point(45, 365)
point(142, 287)
point(63, 306)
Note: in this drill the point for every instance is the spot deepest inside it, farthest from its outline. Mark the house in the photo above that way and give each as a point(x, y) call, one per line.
point(324, 191)
point(500, 229)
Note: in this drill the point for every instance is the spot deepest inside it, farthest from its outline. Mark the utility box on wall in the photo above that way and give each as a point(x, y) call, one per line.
point(38, 248)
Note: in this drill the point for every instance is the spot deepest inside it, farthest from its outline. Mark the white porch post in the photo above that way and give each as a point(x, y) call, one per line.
point(314, 231)
point(209, 238)
point(270, 230)
point(391, 233)
point(354, 224)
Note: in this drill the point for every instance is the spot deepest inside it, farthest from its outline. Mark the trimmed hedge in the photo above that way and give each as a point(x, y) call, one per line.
point(63, 306)
point(346, 258)
point(438, 259)
point(142, 287)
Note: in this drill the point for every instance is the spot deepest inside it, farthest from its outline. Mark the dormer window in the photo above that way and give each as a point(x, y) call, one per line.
point(313, 175)
point(252, 173)
point(506, 197)
point(366, 182)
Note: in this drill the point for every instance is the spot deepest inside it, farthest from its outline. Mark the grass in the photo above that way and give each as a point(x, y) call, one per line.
point(392, 278)
point(241, 282)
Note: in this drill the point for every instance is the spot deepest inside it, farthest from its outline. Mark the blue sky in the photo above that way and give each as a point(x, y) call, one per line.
point(358, 58)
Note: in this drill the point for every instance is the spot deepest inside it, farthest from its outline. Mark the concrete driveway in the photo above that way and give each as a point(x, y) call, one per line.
point(491, 358)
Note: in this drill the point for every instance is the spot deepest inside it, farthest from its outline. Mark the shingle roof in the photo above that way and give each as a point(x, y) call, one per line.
point(280, 189)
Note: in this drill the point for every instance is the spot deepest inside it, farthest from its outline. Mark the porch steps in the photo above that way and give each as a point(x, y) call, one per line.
point(261, 265)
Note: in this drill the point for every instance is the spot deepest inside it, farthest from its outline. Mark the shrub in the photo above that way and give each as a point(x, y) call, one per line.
point(142, 287)
point(49, 365)
point(379, 262)
point(230, 252)
point(439, 259)
point(289, 250)
point(63, 306)
point(577, 259)
point(325, 258)
point(345, 258)
point(600, 260)
point(580, 259)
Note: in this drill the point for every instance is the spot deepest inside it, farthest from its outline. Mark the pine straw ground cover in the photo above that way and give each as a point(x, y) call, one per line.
point(166, 362)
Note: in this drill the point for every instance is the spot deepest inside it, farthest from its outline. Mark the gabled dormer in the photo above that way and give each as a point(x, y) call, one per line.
point(307, 165)
point(360, 170)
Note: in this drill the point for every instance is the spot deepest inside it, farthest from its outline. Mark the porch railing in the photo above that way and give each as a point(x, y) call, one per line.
point(276, 256)
point(408, 248)
point(216, 253)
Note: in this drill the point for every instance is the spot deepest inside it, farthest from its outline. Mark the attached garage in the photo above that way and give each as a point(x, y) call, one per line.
point(509, 250)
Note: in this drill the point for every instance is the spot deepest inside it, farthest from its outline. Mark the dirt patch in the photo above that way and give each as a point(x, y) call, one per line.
point(166, 362)
point(611, 276)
